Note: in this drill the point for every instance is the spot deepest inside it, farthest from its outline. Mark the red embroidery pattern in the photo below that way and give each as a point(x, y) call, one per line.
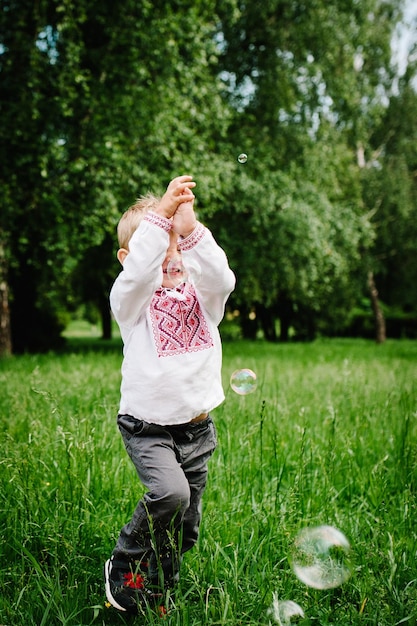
point(179, 326)
point(158, 220)
point(193, 239)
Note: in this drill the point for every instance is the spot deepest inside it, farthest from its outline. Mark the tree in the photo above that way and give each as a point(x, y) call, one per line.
point(297, 256)
point(390, 192)
point(307, 81)
point(26, 123)
point(103, 101)
point(120, 97)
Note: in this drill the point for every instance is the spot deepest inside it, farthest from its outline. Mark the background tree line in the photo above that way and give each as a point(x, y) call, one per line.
point(103, 101)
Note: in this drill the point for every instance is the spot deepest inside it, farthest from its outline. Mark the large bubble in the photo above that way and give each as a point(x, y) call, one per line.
point(178, 273)
point(321, 557)
point(243, 381)
point(193, 271)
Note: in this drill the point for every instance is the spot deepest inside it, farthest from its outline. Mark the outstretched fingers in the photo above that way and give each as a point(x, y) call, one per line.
point(181, 185)
point(178, 192)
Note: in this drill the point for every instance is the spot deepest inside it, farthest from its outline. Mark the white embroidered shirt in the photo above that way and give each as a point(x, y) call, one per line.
point(171, 369)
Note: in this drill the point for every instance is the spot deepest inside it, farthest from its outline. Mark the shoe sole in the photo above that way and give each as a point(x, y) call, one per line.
point(116, 605)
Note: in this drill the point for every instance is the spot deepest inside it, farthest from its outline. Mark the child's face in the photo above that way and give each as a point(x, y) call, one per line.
point(172, 253)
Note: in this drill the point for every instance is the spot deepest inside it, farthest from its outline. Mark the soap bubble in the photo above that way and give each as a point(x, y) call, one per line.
point(285, 612)
point(321, 557)
point(243, 381)
point(193, 272)
point(178, 273)
point(242, 158)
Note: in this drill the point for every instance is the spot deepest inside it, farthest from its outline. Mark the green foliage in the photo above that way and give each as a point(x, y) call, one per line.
point(113, 113)
point(390, 192)
point(307, 81)
point(286, 240)
point(104, 101)
point(308, 59)
point(328, 437)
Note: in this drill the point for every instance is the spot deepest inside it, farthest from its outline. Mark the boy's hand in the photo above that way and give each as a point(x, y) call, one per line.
point(178, 191)
point(184, 220)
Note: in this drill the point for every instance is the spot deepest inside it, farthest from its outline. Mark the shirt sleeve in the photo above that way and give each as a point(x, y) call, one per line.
point(215, 280)
point(133, 289)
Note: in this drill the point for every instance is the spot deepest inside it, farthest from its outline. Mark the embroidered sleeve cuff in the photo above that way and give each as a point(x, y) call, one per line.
point(158, 220)
point(192, 239)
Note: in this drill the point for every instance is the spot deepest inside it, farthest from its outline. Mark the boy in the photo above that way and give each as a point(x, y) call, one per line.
point(171, 380)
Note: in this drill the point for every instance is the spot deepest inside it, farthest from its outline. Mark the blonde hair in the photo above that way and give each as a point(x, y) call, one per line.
point(131, 218)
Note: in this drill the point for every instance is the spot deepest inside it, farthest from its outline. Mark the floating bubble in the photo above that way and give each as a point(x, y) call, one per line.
point(285, 612)
point(176, 271)
point(242, 158)
point(321, 557)
point(243, 381)
point(179, 274)
point(193, 272)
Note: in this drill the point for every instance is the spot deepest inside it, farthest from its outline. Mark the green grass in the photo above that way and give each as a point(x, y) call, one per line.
point(329, 437)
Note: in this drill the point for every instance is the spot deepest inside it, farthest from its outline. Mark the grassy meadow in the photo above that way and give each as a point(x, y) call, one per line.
point(328, 437)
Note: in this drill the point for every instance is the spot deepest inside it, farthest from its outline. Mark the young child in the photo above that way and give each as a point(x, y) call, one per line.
point(171, 380)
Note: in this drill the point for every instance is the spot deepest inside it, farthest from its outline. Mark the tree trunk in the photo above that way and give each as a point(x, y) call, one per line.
point(5, 332)
point(380, 329)
point(248, 323)
point(267, 319)
point(285, 313)
point(105, 320)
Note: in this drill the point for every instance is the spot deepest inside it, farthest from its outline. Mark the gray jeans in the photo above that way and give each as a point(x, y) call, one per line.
point(171, 461)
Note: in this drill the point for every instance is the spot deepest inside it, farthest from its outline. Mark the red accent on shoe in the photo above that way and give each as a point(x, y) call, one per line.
point(134, 581)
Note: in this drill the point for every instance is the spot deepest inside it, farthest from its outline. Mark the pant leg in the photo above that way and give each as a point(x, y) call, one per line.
point(160, 512)
point(172, 464)
point(196, 443)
